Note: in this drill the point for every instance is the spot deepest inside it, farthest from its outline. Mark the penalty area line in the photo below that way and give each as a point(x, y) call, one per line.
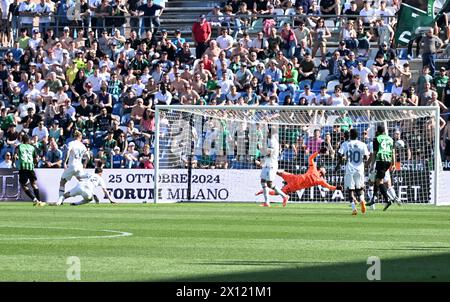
point(116, 234)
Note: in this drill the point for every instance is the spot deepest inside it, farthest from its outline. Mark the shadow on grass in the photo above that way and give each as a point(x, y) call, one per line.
point(417, 268)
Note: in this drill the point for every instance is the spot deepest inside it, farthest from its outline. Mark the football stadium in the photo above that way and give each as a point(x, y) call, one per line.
point(225, 141)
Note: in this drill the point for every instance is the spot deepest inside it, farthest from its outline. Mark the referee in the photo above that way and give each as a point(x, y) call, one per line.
point(384, 158)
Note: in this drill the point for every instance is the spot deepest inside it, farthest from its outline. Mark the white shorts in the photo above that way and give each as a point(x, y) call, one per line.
point(354, 180)
point(373, 174)
point(268, 174)
point(72, 171)
point(82, 190)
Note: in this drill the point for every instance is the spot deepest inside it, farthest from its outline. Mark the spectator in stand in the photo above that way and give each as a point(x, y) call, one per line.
point(201, 33)
point(366, 98)
point(424, 78)
point(310, 97)
point(145, 158)
point(306, 70)
point(320, 33)
point(334, 66)
point(117, 159)
point(386, 13)
point(148, 12)
point(427, 95)
point(314, 142)
point(430, 46)
point(337, 99)
point(381, 69)
point(440, 81)
point(215, 17)
point(225, 42)
point(374, 85)
point(352, 11)
point(289, 40)
point(54, 156)
point(330, 7)
point(362, 71)
point(385, 32)
point(131, 156)
point(345, 79)
point(259, 45)
point(7, 163)
point(367, 14)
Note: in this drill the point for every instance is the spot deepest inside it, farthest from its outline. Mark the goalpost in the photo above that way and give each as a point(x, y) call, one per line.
point(212, 153)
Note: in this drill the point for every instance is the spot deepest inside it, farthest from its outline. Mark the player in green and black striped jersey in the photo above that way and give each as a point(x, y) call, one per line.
point(26, 157)
point(384, 157)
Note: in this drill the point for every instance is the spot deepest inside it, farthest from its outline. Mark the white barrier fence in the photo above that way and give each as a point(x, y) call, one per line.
point(136, 186)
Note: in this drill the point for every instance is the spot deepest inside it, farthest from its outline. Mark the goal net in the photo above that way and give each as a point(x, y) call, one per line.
point(211, 153)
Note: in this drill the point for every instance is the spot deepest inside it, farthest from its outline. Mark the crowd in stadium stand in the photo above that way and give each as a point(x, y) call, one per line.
point(103, 73)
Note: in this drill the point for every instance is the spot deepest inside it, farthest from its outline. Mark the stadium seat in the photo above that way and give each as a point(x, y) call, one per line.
point(117, 109)
point(290, 12)
point(297, 96)
point(331, 85)
point(329, 23)
point(388, 87)
point(403, 54)
point(317, 84)
point(322, 75)
point(256, 27)
point(124, 119)
point(303, 83)
point(369, 63)
point(279, 11)
point(372, 53)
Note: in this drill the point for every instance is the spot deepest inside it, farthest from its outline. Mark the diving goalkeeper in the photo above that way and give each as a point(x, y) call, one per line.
point(313, 177)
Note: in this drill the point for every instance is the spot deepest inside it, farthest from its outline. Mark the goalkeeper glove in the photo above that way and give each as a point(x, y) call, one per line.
point(339, 187)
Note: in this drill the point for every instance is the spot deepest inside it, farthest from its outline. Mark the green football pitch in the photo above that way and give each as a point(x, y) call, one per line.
point(223, 242)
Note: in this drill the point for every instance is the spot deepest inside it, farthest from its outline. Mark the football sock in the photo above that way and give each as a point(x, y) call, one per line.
point(375, 190)
point(353, 205)
point(383, 191)
point(370, 192)
point(29, 193)
point(391, 193)
point(61, 190)
point(37, 194)
point(266, 194)
point(278, 191)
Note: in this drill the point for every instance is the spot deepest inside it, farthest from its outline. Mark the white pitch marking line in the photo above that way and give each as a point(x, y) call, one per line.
point(118, 234)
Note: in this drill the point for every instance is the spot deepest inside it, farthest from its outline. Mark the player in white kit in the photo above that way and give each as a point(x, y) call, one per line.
point(269, 169)
point(86, 187)
point(355, 152)
point(76, 151)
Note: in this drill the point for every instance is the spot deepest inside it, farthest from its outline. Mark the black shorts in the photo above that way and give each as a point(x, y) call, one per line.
point(441, 21)
point(27, 175)
point(381, 168)
point(447, 148)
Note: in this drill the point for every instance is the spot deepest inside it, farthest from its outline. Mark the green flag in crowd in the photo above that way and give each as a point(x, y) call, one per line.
point(417, 14)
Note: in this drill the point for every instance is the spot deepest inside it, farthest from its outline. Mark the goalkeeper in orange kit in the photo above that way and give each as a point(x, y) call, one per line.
point(313, 177)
